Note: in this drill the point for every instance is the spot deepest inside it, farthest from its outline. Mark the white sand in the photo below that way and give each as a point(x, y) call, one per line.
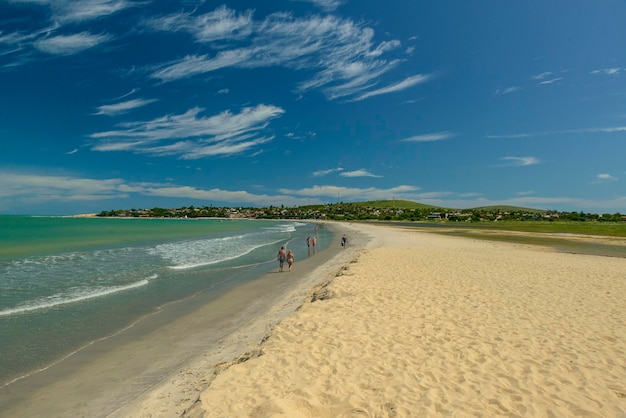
point(422, 325)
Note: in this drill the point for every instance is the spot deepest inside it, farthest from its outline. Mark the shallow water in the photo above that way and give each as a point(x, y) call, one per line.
point(67, 282)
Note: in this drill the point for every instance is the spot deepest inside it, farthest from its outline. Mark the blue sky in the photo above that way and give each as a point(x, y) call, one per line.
point(109, 104)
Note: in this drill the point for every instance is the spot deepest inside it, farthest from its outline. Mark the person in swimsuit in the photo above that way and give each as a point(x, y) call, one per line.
point(281, 258)
point(290, 259)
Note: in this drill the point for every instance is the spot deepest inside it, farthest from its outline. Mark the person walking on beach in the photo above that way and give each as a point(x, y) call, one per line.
point(290, 259)
point(281, 258)
point(344, 241)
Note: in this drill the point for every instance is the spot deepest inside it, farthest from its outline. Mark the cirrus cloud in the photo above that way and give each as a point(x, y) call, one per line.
point(437, 136)
point(358, 173)
point(522, 161)
point(342, 54)
point(123, 107)
point(70, 44)
point(191, 135)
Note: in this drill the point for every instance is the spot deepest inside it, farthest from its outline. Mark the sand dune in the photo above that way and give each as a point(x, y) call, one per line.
point(421, 325)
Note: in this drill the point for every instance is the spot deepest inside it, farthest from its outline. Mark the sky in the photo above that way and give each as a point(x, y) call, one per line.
point(130, 104)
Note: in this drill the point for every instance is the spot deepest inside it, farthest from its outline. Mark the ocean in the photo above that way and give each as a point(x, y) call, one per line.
point(68, 282)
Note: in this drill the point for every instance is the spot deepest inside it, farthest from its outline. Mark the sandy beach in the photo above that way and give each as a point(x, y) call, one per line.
point(423, 325)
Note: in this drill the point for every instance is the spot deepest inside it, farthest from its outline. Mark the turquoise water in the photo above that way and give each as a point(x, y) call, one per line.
point(67, 282)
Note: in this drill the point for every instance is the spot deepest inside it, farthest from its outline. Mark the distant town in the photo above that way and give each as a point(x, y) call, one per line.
point(385, 210)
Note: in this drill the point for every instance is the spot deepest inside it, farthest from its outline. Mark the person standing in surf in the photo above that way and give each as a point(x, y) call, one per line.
point(281, 258)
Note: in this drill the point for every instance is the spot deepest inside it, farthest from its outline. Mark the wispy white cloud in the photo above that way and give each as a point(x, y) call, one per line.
point(222, 24)
point(608, 71)
point(19, 46)
point(606, 177)
point(437, 136)
point(75, 11)
point(508, 90)
point(125, 95)
point(33, 188)
point(74, 151)
point(322, 173)
point(514, 136)
point(122, 107)
point(609, 129)
point(38, 187)
point(70, 44)
point(193, 150)
point(402, 85)
point(351, 193)
point(552, 80)
point(190, 135)
point(16, 40)
point(301, 135)
point(342, 54)
point(470, 194)
point(522, 161)
point(52, 37)
point(326, 5)
point(358, 173)
point(200, 64)
point(546, 78)
point(541, 76)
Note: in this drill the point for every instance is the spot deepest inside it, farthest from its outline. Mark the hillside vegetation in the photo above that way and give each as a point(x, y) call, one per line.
point(379, 210)
point(506, 208)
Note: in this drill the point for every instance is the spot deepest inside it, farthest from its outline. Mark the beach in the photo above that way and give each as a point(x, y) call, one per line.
point(423, 325)
point(399, 323)
point(96, 312)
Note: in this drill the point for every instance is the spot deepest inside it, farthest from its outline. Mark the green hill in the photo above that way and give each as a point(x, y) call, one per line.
point(410, 205)
point(506, 208)
point(396, 204)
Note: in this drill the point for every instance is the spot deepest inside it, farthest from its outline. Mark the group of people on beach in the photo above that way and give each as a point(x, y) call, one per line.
point(284, 255)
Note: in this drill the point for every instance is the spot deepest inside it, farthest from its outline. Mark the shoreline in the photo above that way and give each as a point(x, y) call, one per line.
point(429, 325)
point(217, 331)
point(178, 394)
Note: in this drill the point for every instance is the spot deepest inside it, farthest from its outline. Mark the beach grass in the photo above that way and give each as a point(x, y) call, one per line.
point(610, 229)
point(594, 238)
